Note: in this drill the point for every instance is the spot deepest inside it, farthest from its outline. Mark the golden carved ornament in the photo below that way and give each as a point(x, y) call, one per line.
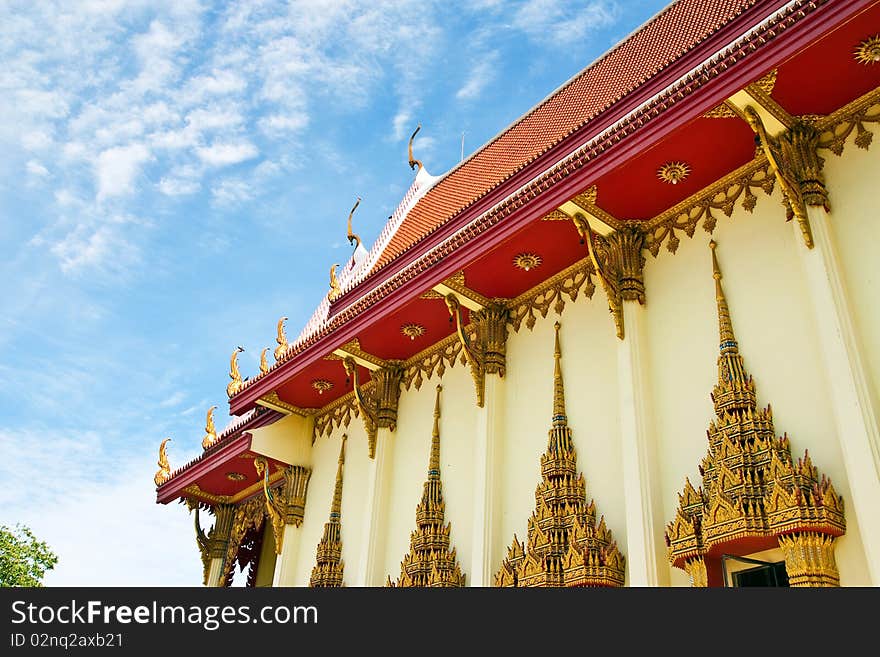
point(274, 507)
point(722, 195)
point(352, 238)
point(477, 372)
point(248, 515)
point(837, 126)
point(163, 474)
point(366, 404)
point(210, 433)
point(552, 293)
point(619, 261)
point(527, 261)
point(335, 289)
point(322, 385)
point(235, 476)
point(281, 339)
point(264, 365)
point(726, 111)
point(798, 168)
point(329, 567)
point(236, 384)
point(414, 163)
point(868, 51)
point(412, 331)
point(752, 489)
point(337, 413)
point(212, 545)
point(433, 360)
point(430, 562)
point(673, 173)
point(565, 546)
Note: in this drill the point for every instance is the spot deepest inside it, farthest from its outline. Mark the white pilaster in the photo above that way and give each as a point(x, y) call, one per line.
point(370, 571)
point(485, 509)
point(215, 572)
point(645, 551)
point(285, 563)
point(854, 414)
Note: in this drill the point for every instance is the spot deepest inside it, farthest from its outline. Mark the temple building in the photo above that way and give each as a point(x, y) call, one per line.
point(668, 263)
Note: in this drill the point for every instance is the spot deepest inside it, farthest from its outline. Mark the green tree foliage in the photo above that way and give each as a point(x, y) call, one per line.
point(23, 559)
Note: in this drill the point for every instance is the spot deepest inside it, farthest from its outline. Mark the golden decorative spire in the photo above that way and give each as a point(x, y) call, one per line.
point(753, 496)
point(413, 163)
point(164, 472)
point(430, 562)
point(335, 290)
point(565, 546)
point(236, 384)
point(264, 366)
point(210, 433)
point(329, 569)
point(559, 418)
point(352, 238)
point(281, 349)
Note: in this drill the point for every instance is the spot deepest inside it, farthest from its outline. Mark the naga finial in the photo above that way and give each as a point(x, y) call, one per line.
point(335, 290)
point(352, 238)
point(281, 349)
point(236, 384)
point(264, 366)
point(210, 433)
point(412, 161)
point(164, 472)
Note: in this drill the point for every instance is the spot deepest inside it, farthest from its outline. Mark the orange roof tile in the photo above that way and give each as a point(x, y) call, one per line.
point(658, 43)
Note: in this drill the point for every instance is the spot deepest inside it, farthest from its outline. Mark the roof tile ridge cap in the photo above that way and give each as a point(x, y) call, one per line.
point(413, 195)
point(568, 83)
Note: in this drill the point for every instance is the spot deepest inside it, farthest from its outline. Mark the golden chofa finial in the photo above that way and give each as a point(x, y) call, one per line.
point(725, 325)
point(164, 472)
point(352, 238)
point(412, 161)
point(335, 290)
point(559, 417)
point(281, 349)
point(210, 433)
point(236, 384)
point(264, 365)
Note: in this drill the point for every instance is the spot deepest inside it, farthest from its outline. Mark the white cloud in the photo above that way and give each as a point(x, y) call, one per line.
point(36, 140)
point(117, 167)
point(480, 75)
point(35, 168)
point(221, 154)
point(402, 124)
point(178, 186)
point(555, 22)
point(277, 124)
point(173, 400)
point(231, 192)
point(104, 249)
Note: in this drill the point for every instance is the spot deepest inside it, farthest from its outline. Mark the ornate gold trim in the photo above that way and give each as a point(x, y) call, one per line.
point(721, 195)
point(213, 544)
point(322, 385)
point(329, 567)
point(353, 348)
point(435, 358)
point(281, 339)
point(527, 261)
point(430, 562)
point(163, 474)
point(273, 401)
point(565, 545)
point(337, 413)
point(195, 491)
point(555, 215)
point(586, 201)
point(673, 173)
point(235, 476)
point(837, 126)
point(752, 488)
point(236, 384)
point(727, 111)
point(551, 292)
point(412, 331)
point(210, 432)
point(868, 51)
point(478, 372)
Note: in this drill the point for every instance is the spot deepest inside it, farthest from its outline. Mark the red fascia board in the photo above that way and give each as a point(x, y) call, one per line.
point(174, 488)
point(704, 97)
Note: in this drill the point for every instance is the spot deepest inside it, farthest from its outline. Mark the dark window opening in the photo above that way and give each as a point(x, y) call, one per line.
point(765, 573)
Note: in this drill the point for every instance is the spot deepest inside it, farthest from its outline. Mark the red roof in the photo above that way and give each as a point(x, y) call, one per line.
point(648, 51)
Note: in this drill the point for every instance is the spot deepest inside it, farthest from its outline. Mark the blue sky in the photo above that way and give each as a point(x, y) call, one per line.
point(176, 177)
